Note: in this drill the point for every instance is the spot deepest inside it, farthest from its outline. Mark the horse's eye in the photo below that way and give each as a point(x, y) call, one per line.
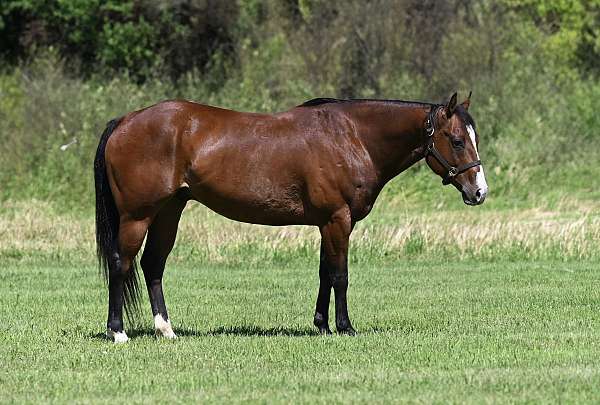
point(458, 143)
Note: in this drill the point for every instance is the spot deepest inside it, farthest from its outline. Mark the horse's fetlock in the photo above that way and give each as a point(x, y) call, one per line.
point(320, 319)
point(115, 325)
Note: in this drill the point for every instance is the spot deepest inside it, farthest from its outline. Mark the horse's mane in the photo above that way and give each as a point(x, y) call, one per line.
point(326, 100)
point(460, 110)
point(319, 101)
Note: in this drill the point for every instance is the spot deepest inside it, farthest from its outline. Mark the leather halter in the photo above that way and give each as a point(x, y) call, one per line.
point(430, 150)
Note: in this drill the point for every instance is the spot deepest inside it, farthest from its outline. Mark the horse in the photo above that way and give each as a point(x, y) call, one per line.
point(322, 163)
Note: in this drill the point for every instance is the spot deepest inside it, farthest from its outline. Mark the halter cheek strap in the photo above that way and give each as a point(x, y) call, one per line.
point(451, 171)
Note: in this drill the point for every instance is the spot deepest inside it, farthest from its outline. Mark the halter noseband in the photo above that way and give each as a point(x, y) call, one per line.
point(451, 171)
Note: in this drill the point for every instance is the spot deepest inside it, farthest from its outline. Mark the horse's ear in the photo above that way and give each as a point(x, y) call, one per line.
point(451, 106)
point(467, 102)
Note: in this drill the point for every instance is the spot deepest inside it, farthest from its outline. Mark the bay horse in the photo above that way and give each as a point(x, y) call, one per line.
point(322, 163)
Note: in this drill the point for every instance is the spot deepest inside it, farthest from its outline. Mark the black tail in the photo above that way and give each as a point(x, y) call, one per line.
point(107, 226)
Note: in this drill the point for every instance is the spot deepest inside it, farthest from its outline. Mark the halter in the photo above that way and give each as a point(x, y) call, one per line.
point(451, 171)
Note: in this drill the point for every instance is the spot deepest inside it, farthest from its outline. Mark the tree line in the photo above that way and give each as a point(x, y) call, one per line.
point(350, 47)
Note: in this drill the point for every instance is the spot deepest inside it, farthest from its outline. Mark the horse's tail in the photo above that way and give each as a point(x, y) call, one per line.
point(107, 225)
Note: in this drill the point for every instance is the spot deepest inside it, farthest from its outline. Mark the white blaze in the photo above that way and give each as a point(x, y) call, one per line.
point(480, 176)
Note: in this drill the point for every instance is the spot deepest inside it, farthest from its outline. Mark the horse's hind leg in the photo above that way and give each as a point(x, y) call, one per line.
point(131, 236)
point(161, 237)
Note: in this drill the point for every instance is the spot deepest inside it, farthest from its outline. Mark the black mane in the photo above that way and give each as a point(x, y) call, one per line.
point(319, 101)
point(460, 110)
point(327, 100)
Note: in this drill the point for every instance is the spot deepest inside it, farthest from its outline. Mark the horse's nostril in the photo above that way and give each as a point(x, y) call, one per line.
point(479, 195)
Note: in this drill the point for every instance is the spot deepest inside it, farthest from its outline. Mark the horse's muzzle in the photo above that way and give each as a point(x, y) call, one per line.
point(474, 198)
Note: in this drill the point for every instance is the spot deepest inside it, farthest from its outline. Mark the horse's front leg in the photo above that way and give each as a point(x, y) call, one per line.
point(335, 237)
point(321, 320)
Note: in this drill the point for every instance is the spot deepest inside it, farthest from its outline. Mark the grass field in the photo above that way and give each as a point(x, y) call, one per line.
point(457, 305)
point(429, 331)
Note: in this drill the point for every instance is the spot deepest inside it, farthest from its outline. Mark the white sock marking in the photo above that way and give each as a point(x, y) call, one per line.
point(163, 328)
point(117, 337)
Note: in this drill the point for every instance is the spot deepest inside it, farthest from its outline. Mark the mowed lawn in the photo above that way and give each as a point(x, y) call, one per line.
point(428, 332)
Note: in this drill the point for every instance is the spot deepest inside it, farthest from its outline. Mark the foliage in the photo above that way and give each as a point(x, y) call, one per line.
point(571, 25)
point(337, 45)
point(135, 36)
point(524, 132)
point(70, 66)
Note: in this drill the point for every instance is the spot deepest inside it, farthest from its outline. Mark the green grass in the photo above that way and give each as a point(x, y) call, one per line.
point(452, 304)
point(430, 331)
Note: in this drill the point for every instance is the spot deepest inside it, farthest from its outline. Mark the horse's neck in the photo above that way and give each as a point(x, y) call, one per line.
point(393, 135)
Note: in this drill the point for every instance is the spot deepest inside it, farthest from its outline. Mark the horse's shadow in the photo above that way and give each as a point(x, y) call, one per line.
point(253, 330)
point(242, 330)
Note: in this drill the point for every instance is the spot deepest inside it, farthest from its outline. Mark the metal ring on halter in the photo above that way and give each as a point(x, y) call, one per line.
point(429, 128)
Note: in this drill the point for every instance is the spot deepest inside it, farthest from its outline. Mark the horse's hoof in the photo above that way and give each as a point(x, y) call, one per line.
point(324, 330)
point(163, 328)
point(117, 337)
point(348, 331)
point(167, 335)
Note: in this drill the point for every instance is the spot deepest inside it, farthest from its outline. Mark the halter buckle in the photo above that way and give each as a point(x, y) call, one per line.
point(429, 129)
point(452, 172)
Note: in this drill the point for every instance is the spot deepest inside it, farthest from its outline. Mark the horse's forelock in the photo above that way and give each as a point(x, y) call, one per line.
point(464, 115)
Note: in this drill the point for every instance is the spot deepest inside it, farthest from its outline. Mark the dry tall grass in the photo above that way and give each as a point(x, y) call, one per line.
point(33, 231)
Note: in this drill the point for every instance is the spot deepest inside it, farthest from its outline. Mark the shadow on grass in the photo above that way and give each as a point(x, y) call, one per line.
point(244, 330)
point(250, 330)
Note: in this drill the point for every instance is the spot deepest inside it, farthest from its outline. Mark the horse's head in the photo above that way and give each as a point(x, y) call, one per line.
point(452, 149)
